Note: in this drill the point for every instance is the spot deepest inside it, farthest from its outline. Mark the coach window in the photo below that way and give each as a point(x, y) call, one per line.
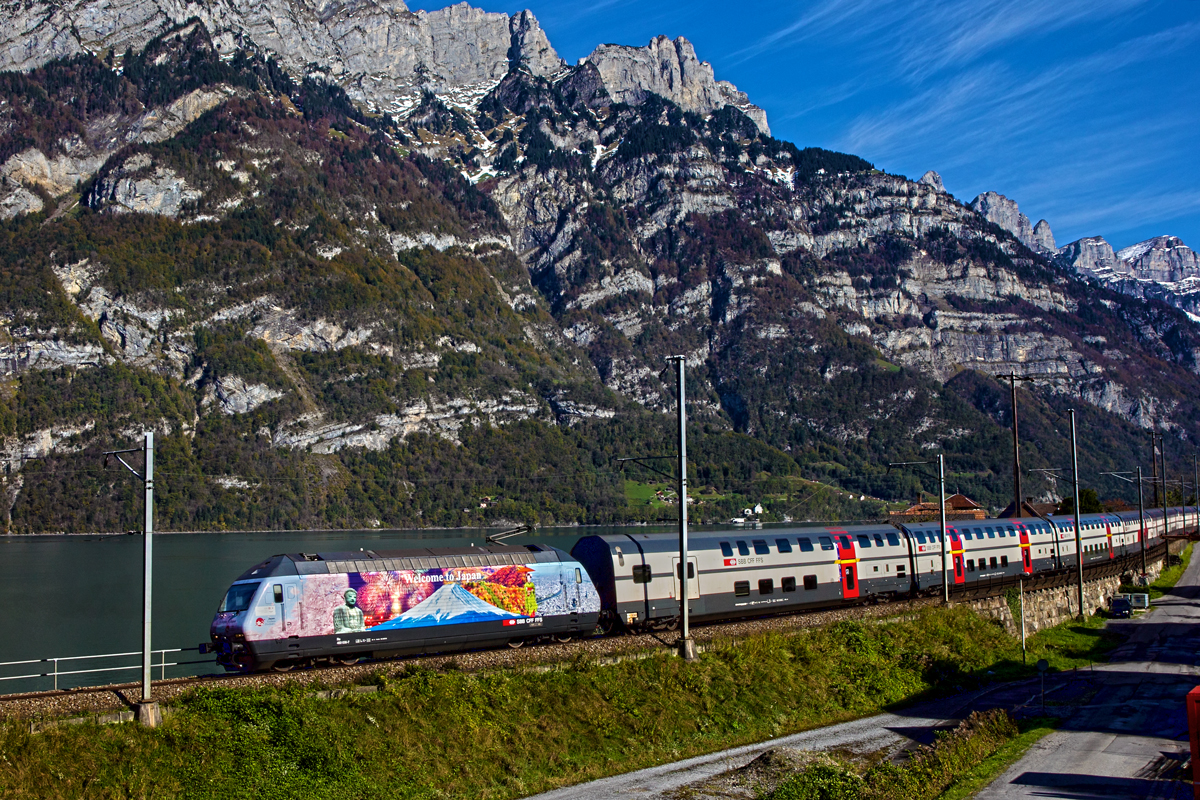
point(691, 571)
point(970, 565)
point(784, 545)
point(741, 588)
point(879, 540)
point(788, 584)
point(993, 562)
point(864, 540)
point(1004, 561)
point(846, 542)
point(1002, 533)
point(761, 548)
point(893, 540)
point(726, 549)
point(642, 574)
point(810, 583)
point(766, 586)
point(826, 542)
point(850, 579)
point(991, 533)
point(805, 544)
point(899, 570)
point(743, 548)
point(920, 537)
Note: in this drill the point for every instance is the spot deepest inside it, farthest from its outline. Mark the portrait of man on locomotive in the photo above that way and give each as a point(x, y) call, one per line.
point(349, 618)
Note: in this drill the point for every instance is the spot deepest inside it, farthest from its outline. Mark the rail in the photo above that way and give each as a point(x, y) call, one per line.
point(54, 674)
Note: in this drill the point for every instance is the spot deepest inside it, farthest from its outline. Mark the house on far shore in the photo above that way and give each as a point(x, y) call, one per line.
point(958, 506)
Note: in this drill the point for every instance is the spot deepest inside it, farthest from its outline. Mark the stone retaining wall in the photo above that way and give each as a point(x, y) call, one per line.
point(1046, 608)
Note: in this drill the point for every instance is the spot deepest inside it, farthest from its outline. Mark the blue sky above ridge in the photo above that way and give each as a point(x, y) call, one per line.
point(1086, 112)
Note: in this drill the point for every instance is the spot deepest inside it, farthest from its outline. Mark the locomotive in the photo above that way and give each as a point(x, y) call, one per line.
point(302, 608)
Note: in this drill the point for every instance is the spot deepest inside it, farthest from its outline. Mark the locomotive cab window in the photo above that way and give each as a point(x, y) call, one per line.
point(766, 586)
point(277, 589)
point(641, 573)
point(741, 588)
point(784, 545)
point(810, 583)
point(726, 549)
point(788, 584)
point(805, 544)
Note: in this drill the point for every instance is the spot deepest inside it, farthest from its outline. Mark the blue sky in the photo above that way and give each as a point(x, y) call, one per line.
point(1086, 112)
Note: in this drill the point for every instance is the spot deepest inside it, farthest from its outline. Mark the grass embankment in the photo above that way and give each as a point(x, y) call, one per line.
point(1166, 580)
point(959, 763)
point(512, 733)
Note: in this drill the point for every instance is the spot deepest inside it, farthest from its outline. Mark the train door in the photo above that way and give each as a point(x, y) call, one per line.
point(956, 554)
point(847, 565)
point(1026, 558)
point(1108, 539)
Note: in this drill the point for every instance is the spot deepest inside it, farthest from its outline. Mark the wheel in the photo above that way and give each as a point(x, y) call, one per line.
point(562, 638)
point(283, 666)
point(345, 661)
point(515, 643)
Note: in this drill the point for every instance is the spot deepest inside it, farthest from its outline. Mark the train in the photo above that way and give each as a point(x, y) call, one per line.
point(341, 607)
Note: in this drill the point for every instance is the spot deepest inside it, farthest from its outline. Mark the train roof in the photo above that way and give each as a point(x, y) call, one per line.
point(417, 558)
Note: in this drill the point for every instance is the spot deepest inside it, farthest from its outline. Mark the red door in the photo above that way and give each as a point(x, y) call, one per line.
point(1026, 559)
point(956, 553)
point(847, 565)
point(1108, 533)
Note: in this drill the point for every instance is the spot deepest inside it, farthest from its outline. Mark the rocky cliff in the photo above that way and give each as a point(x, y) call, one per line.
point(360, 265)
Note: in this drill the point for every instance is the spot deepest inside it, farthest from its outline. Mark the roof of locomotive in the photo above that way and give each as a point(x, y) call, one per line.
point(418, 558)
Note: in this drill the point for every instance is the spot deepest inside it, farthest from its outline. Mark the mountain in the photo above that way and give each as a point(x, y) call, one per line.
point(362, 266)
point(451, 604)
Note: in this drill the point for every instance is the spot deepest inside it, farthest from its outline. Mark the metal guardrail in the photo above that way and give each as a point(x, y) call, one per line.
point(56, 673)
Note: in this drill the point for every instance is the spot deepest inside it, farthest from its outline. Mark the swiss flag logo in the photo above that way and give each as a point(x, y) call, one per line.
point(731, 562)
point(510, 622)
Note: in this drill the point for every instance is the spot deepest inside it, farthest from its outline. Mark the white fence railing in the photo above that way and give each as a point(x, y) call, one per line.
point(54, 671)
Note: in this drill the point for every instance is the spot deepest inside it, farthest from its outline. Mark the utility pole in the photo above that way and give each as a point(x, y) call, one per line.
point(942, 507)
point(1154, 437)
point(1012, 379)
point(1196, 488)
point(687, 647)
point(147, 478)
point(1141, 520)
point(1162, 450)
point(1078, 534)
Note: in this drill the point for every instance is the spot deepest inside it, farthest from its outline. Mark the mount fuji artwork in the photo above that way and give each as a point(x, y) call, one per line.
point(449, 605)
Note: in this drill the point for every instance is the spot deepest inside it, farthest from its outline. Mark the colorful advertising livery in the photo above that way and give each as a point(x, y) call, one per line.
point(296, 607)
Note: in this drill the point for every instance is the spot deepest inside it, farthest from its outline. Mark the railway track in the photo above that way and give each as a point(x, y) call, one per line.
point(99, 699)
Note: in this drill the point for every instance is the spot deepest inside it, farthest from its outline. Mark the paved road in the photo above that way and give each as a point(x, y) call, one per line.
point(866, 735)
point(1124, 735)
point(1131, 731)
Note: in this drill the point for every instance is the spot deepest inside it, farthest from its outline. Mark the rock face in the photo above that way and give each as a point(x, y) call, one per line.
point(1093, 256)
point(1004, 212)
point(1043, 237)
point(380, 52)
point(933, 179)
point(1165, 259)
point(672, 70)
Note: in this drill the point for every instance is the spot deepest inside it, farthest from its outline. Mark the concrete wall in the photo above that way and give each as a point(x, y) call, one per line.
point(1046, 608)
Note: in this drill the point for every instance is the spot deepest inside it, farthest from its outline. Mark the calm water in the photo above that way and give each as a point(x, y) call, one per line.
point(82, 595)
